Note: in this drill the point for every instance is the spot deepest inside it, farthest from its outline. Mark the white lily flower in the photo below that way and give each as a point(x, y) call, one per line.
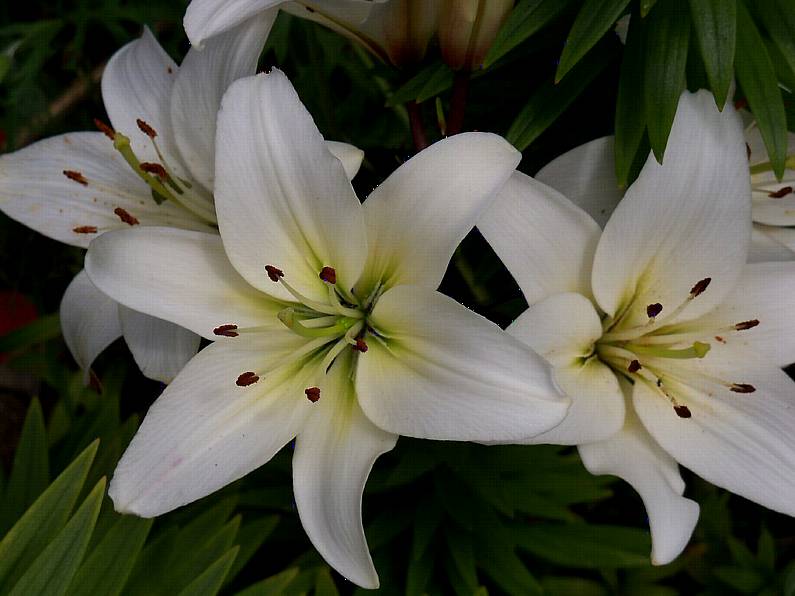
point(328, 324)
point(75, 186)
point(394, 30)
point(668, 342)
point(586, 175)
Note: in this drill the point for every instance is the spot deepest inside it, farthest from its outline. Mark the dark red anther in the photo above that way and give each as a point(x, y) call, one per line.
point(742, 388)
point(153, 168)
point(682, 411)
point(312, 393)
point(329, 275)
point(741, 103)
point(634, 366)
point(748, 151)
point(246, 379)
point(104, 128)
point(361, 345)
point(273, 273)
point(700, 287)
point(780, 193)
point(76, 176)
point(85, 230)
point(746, 325)
point(146, 129)
point(653, 310)
point(125, 216)
point(226, 330)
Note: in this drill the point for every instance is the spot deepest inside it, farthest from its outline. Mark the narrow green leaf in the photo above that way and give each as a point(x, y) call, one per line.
point(428, 518)
point(630, 121)
point(587, 546)
point(40, 330)
point(106, 569)
point(30, 474)
point(151, 568)
point(44, 519)
point(766, 551)
point(715, 23)
point(252, 535)
point(527, 17)
point(668, 34)
point(209, 582)
point(549, 101)
point(459, 545)
point(419, 574)
point(184, 568)
point(646, 6)
point(53, 569)
point(273, 585)
point(430, 81)
point(595, 18)
point(324, 585)
point(778, 17)
point(757, 77)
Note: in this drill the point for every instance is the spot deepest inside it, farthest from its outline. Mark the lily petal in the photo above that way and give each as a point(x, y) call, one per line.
point(563, 329)
point(586, 175)
point(770, 243)
point(203, 78)
point(204, 432)
point(161, 349)
point(761, 295)
point(334, 453)
point(282, 199)
point(89, 321)
point(35, 191)
point(631, 454)
point(545, 241)
point(680, 222)
point(137, 83)
point(179, 276)
point(444, 372)
point(739, 441)
point(418, 216)
point(350, 156)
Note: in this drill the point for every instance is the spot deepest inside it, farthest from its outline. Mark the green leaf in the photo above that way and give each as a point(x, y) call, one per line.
point(778, 18)
point(428, 518)
point(42, 329)
point(324, 585)
point(715, 23)
point(209, 582)
point(593, 21)
point(272, 586)
point(419, 574)
point(44, 519)
point(430, 81)
point(53, 569)
point(459, 545)
point(107, 568)
point(30, 474)
point(668, 34)
point(766, 550)
point(745, 581)
point(587, 546)
point(757, 78)
point(572, 586)
point(251, 536)
point(203, 553)
point(630, 121)
point(549, 101)
point(646, 6)
point(527, 17)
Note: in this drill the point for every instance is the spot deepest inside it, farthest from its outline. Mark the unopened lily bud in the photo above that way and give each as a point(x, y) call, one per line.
point(408, 26)
point(467, 28)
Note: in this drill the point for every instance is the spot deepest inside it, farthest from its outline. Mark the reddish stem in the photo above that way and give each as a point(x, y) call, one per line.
point(458, 102)
point(417, 128)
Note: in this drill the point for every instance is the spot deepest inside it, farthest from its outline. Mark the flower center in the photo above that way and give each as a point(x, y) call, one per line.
point(332, 325)
point(649, 353)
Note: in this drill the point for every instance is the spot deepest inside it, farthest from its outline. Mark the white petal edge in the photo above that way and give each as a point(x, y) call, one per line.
point(334, 453)
point(563, 329)
point(417, 217)
point(769, 243)
point(631, 454)
point(444, 372)
point(179, 276)
point(680, 222)
point(282, 198)
point(349, 155)
point(160, 349)
point(205, 432)
point(89, 321)
point(545, 240)
point(586, 175)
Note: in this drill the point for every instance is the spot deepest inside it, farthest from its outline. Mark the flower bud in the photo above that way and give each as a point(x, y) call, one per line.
point(467, 28)
point(408, 25)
